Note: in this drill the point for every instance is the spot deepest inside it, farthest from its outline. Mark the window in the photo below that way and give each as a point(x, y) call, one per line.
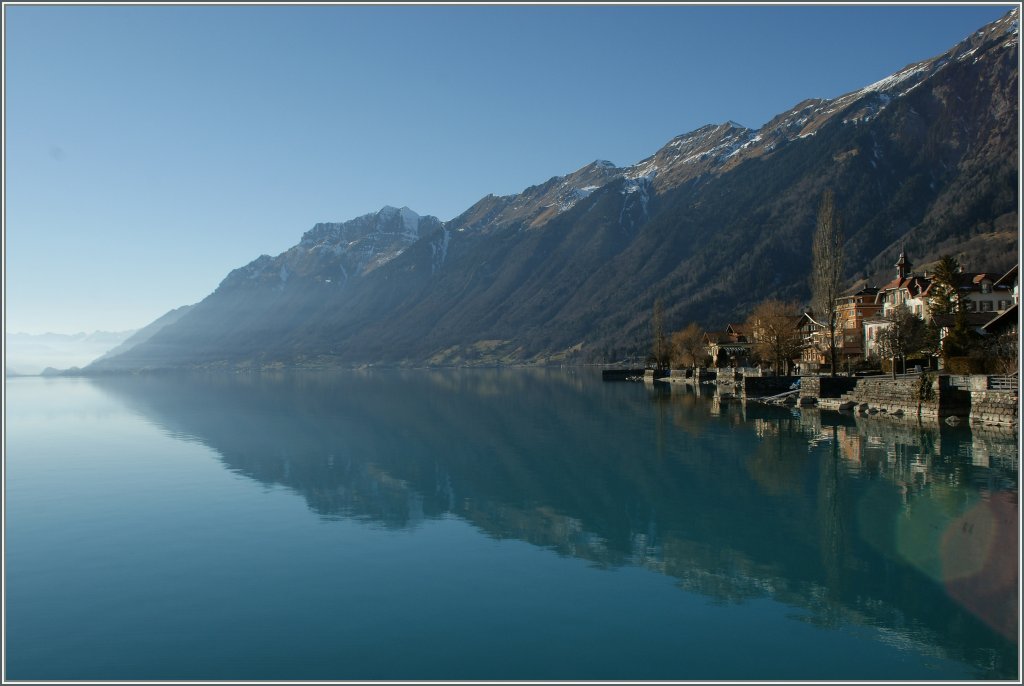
point(970, 305)
point(986, 306)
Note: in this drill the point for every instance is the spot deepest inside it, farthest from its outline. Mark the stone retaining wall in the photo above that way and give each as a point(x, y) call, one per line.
point(652, 375)
point(906, 396)
point(702, 374)
point(761, 386)
point(826, 386)
point(894, 396)
point(994, 407)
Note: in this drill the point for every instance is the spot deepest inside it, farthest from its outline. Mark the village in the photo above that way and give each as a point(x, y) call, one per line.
point(939, 345)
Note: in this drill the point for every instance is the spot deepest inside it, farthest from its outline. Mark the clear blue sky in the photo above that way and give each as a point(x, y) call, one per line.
point(151, 149)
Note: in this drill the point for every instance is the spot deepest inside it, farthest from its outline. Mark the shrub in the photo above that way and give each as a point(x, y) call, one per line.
point(925, 390)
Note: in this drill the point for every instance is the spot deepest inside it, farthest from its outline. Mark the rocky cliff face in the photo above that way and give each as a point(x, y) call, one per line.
point(333, 253)
point(712, 223)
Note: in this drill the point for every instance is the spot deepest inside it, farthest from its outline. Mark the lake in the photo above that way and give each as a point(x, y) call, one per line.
point(495, 524)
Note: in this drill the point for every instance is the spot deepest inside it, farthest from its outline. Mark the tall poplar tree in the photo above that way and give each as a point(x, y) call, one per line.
point(661, 350)
point(827, 270)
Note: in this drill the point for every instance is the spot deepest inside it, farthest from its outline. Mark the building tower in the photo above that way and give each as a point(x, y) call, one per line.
point(903, 265)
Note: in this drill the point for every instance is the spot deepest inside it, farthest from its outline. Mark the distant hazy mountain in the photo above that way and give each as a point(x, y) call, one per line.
point(30, 354)
point(146, 332)
point(51, 353)
point(712, 223)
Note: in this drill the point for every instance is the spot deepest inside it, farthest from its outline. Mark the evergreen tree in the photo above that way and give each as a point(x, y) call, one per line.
point(944, 294)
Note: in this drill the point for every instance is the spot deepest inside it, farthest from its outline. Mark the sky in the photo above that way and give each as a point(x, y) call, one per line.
point(149, 150)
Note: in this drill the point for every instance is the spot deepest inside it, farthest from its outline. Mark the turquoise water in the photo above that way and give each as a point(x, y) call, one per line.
point(492, 524)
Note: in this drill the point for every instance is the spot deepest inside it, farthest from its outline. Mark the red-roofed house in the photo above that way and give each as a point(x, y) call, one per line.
point(906, 289)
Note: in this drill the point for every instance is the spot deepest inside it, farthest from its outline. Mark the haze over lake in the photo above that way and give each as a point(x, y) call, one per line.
point(495, 524)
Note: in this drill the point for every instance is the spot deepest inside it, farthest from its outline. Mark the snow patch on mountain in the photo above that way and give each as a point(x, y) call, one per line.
point(637, 184)
point(647, 168)
point(752, 138)
point(569, 200)
point(890, 82)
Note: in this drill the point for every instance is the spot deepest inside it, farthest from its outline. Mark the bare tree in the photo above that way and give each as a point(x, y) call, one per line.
point(904, 336)
point(688, 346)
point(773, 326)
point(1003, 351)
point(827, 271)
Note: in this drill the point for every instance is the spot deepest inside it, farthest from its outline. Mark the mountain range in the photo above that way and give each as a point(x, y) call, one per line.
point(714, 222)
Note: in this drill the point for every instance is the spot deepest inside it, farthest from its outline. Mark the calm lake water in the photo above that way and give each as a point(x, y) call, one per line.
point(519, 524)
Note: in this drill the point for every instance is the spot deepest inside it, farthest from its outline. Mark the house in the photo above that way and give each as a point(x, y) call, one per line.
point(984, 295)
point(1006, 323)
point(729, 348)
point(873, 327)
point(737, 330)
point(811, 356)
point(852, 310)
point(975, 321)
point(906, 289)
point(988, 293)
point(1009, 281)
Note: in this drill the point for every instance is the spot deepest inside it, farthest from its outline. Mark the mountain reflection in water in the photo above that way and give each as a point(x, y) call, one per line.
point(882, 523)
